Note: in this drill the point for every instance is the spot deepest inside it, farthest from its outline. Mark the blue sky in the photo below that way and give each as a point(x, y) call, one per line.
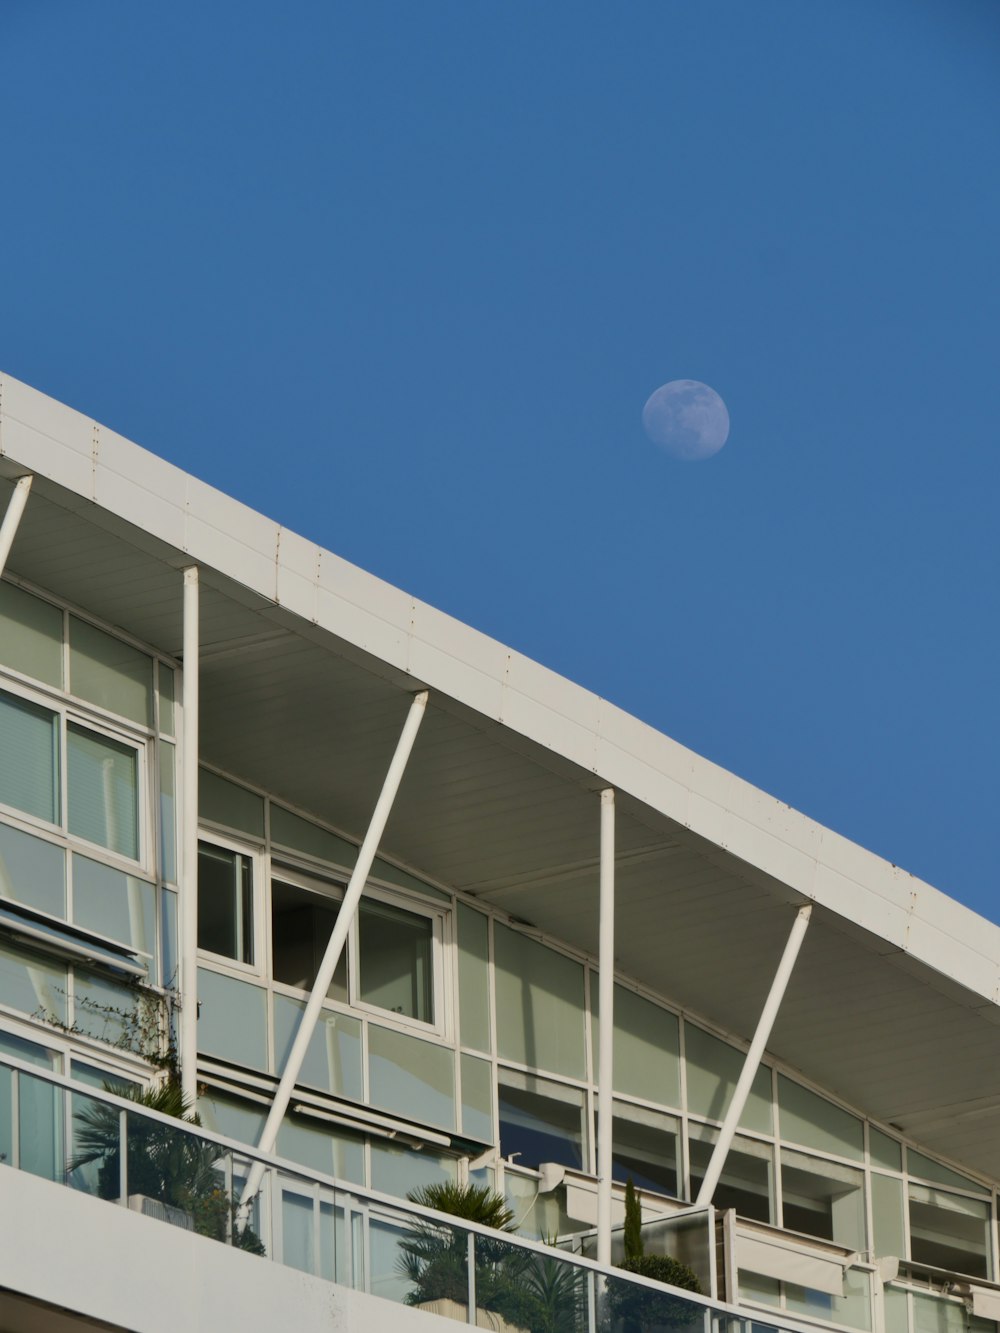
point(402, 276)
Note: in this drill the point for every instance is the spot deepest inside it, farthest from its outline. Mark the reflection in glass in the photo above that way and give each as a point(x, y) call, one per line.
point(395, 960)
point(225, 902)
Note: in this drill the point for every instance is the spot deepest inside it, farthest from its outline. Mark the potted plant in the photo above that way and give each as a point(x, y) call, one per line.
point(639, 1309)
point(172, 1166)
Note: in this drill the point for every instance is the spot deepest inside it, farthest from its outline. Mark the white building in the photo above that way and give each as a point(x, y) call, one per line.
point(806, 1085)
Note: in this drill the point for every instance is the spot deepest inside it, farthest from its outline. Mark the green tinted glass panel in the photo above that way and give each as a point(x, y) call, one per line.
point(390, 874)
point(410, 1077)
point(223, 802)
point(29, 758)
point(713, 1069)
point(112, 903)
point(927, 1169)
point(109, 1011)
point(333, 1152)
point(168, 814)
point(30, 635)
point(109, 673)
point(167, 697)
point(477, 1098)
point(31, 984)
point(887, 1216)
point(396, 960)
point(103, 795)
point(647, 1047)
point(883, 1150)
point(302, 835)
point(539, 1005)
point(474, 977)
point(333, 1056)
point(811, 1120)
point(397, 1171)
point(168, 940)
point(232, 1023)
point(32, 871)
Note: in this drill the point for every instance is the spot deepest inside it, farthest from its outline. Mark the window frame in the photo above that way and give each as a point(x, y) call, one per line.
point(67, 714)
point(255, 854)
point(334, 886)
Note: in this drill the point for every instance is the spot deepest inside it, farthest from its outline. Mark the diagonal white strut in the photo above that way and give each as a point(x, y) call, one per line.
point(335, 947)
point(12, 518)
point(752, 1063)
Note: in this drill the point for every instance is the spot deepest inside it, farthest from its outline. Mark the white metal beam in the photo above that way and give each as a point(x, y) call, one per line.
point(188, 1036)
point(335, 947)
point(752, 1062)
point(606, 1026)
point(12, 518)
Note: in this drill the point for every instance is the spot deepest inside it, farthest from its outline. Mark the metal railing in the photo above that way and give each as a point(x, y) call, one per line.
point(108, 1147)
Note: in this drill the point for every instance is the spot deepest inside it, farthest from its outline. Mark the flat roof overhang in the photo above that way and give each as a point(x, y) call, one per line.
point(307, 668)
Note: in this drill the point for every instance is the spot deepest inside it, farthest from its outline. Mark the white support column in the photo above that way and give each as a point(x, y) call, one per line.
point(606, 1026)
point(752, 1062)
point(335, 947)
point(188, 1036)
point(12, 518)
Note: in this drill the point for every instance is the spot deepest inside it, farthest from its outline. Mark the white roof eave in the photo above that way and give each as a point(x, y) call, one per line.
point(207, 527)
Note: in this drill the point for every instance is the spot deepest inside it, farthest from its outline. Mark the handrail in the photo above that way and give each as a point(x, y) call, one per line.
point(392, 1203)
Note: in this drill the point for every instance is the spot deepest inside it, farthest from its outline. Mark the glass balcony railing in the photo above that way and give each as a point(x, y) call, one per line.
point(133, 1157)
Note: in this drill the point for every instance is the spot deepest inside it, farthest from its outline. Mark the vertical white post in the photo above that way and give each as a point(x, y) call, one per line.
point(752, 1062)
point(12, 518)
point(188, 1036)
point(606, 1026)
point(335, 947)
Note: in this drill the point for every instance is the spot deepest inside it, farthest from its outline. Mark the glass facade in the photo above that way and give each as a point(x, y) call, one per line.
point(448, 1029)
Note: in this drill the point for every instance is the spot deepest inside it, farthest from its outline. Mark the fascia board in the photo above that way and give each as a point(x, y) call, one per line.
point(211, 528)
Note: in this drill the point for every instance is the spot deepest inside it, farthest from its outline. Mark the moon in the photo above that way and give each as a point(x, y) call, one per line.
point(687, 419)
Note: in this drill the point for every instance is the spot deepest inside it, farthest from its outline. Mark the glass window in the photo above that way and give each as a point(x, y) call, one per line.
point(746, 1183)
point(114, 904)
point(29, 758)
point(302, 922)
point(223, 802)
point(30, 635)
point(884, 1151)
point(108, 1011)
point(647, 1047)
point(395, 960)
point(32, 871)
point(334, 1152)
point(823, 1199)
point(887, 1216)
point(32, 985)
point(112, 674)
point(167, 699)
point(411, 1077)
point(103, 790)
point(927, 1169)
point(333, 1057)
point(539, 1005)
point(232, 1020)
point(302, 835)
point(397, 1171)
point(168, 814)
point(225, 902)
point(474, 978)
point(713, 1069)
point(169, 974)
point(644, 1149)
point(854, 1308)
point(949, 1231)
point(541, 1121)
point(811, 1120)
point(477, 1098)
